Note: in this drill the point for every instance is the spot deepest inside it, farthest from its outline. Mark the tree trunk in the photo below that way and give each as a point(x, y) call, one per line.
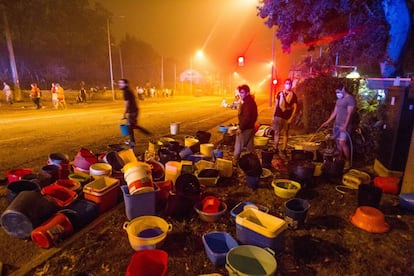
point(398, 17)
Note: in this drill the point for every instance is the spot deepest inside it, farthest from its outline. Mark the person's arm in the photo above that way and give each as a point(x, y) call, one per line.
point(295, 106)
point(276, 103)
point(126, 108)
point(333, 115)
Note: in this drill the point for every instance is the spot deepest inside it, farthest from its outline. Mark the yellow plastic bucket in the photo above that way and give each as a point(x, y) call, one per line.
point(127, 156)
point(146, 232)
point(189, 141)
point(207, 149)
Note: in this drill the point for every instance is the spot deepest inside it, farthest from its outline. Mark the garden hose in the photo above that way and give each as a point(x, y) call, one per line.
point(351, 148)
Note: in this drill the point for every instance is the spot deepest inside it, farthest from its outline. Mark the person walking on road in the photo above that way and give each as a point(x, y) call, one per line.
point(285, 110)
point(8, 93)
point(53, 92)
point(247, 115)
point(35, 95)
point(61, 96)
point(342, 113)
point(131, 111)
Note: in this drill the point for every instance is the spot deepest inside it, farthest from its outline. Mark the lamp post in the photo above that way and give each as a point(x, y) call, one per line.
point(272, 73)
point(110, 59)
point(121, 63)
point(199, 54)
point(191, 75)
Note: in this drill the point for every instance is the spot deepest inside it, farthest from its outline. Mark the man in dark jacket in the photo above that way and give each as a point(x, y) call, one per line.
point(247, 118)
point(130, 111)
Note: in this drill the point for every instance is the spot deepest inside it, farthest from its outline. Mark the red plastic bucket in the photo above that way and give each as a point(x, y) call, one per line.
point(17, 174)
point(165, 187)
point(59, 195)
point(69, 184)
point(388, 184)
point(148, 262)
point(52, 231)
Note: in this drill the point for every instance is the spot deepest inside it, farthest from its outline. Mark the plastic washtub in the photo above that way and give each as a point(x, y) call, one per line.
point(217, 245)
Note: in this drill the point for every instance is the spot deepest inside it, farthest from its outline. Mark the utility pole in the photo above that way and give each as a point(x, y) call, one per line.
point(17, 91)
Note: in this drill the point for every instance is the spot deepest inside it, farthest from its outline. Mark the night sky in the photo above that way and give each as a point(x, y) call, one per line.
point(223, 29)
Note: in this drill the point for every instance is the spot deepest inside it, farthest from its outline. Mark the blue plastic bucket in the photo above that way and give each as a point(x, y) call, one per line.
point(295, 212)
point(123, 125)
point(250, 260)
point(142, 204)
point(217, 245)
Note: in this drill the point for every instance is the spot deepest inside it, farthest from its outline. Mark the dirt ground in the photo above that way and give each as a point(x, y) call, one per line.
point(328, 243)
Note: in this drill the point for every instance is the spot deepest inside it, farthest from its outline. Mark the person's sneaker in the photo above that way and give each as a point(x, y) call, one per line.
point(347, 166)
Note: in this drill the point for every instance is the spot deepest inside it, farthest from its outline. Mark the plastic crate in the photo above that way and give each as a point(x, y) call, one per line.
point(225, 167)
point(103, 191)
point(254, 227)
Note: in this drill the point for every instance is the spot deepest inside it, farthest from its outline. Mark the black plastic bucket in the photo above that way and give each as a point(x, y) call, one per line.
point(369, 195)
point(14, 188)
point(267, 157)
point(203, 136)
point(81, 212)
point(27, 211)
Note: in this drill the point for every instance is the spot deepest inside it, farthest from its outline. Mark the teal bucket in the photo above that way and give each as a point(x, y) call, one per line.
point(123, 125)
point(251, 260)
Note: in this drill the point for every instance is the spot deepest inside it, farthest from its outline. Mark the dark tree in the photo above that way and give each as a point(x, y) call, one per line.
point(363, 33)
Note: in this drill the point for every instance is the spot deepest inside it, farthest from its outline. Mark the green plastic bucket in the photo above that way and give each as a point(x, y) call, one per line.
point(250, 260)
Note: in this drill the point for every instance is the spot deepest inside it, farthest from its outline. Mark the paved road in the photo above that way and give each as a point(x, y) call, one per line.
point(28, 136)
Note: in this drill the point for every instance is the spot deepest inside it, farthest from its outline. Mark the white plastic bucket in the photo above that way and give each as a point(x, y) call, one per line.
point(100, 169)
point(138, 178)
point(174, 128)
point(172, 170)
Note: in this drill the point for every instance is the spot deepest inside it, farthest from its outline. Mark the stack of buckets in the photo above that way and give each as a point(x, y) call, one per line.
point(138, 177)
point(140, 191)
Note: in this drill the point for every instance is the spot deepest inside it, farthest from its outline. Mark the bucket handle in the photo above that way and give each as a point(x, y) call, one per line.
point(229, 268)
point(169, 227)
point(123, 121)
point(125, 226)
point(270, 251)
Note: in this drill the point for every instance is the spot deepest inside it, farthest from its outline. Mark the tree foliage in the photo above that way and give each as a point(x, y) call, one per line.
point(56, 40)
point(355, 30)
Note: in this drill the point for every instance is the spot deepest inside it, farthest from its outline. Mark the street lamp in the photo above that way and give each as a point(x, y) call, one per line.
point(110, 59)
point(199, 54)
point(110, 55)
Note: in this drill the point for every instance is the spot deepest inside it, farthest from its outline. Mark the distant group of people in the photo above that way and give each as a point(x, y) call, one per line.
point(57, 95)
point(151, 92)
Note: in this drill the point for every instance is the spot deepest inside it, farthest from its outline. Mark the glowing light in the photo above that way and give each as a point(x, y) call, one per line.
point(353, 75)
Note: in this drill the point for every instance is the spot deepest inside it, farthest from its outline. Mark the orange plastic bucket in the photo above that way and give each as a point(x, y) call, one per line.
point(52, 231)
